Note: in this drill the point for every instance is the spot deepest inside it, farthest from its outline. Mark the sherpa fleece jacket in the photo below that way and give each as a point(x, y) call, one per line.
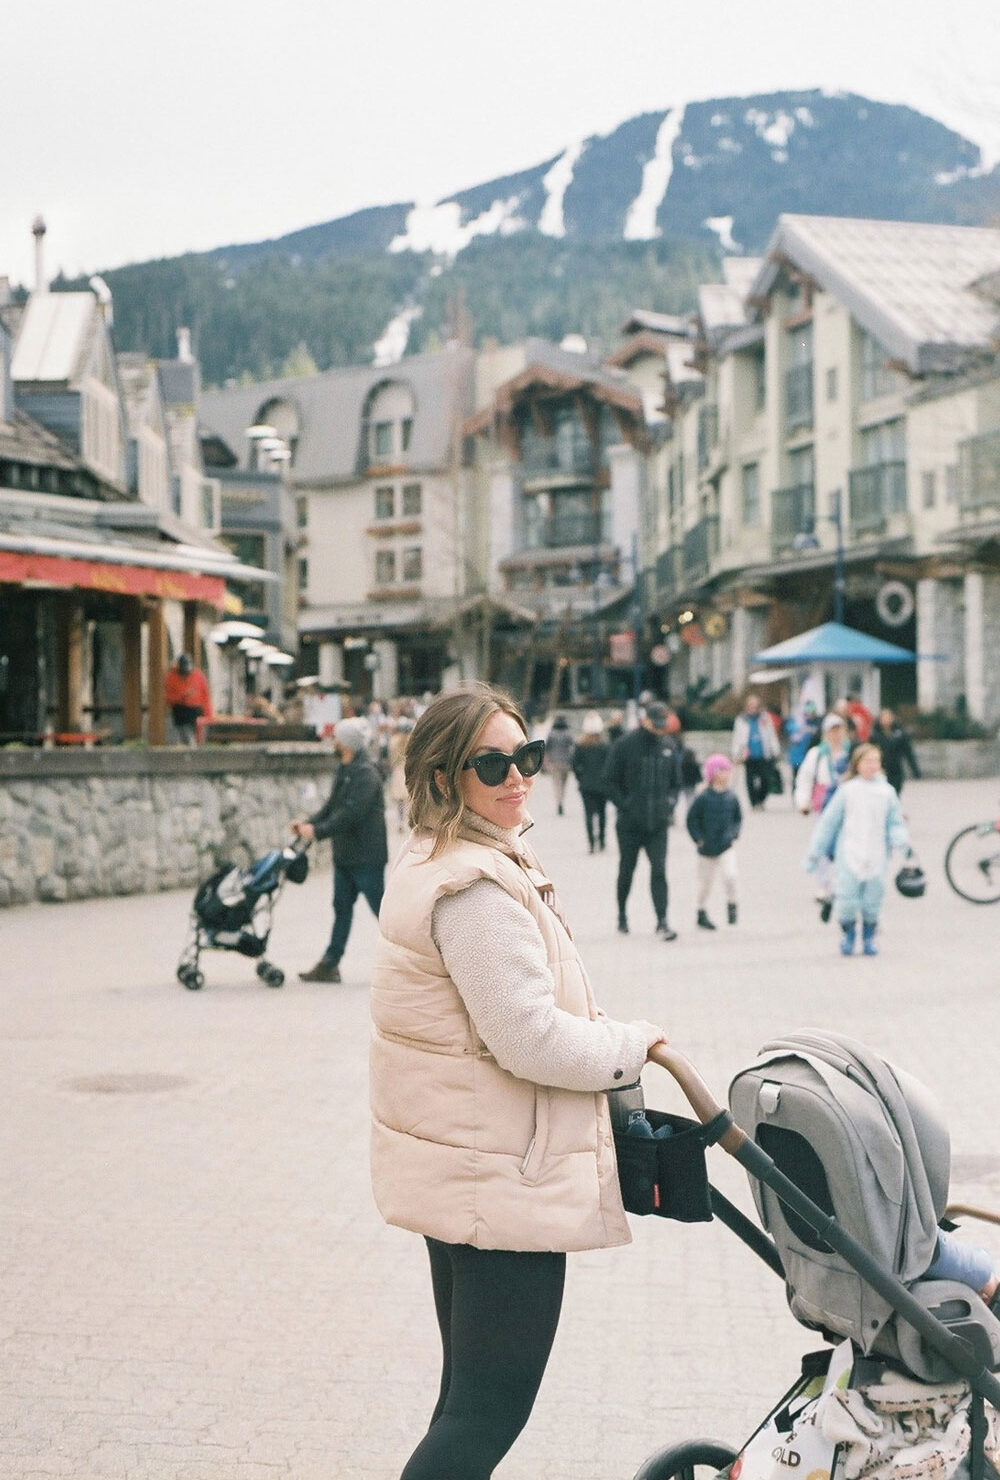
point(493, 1133)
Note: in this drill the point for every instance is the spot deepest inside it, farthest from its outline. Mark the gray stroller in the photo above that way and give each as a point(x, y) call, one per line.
point(849, 1163)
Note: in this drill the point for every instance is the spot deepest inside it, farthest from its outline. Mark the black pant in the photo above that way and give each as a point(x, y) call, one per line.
point(631, 842)
point(594, 811)
point(348, 883)
point(498, 1311)
point(757, 769)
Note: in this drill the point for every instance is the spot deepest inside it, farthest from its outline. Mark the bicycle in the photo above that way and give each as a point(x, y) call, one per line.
point(972, 862)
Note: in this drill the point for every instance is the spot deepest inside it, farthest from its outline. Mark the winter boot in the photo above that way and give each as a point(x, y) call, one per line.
point(731, 913)
point(868, 942)
point(704, 921)
point(848, 938)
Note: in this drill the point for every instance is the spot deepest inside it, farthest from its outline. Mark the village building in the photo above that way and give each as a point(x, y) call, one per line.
point(836, 456)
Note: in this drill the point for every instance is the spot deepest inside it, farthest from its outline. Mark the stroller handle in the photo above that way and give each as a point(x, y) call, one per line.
point(697, 1094)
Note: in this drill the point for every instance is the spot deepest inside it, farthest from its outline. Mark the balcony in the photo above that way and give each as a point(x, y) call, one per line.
point(701, 545)
point(876, 494)
point(799, 397)
point(547, 460)
point(561, 530)
point(979, 475)
point(793, 513)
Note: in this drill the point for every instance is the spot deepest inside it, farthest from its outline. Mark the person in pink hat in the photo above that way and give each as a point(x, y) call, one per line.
point(714, 820)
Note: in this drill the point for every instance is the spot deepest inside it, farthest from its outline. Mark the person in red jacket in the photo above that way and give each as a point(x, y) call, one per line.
point(187, 695)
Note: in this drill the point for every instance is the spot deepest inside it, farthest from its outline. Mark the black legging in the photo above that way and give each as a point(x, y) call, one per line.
point(498, 1311)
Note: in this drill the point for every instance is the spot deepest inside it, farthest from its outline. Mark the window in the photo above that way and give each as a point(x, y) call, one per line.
point(383, 439)
point(385, 502)
point(406, 432)
point(759, 383)
point(751, 494)
point(303, 574)
point(877, 377)
point(413, 563)
point(385, 567)
point(951, 483)
point(412, 500)
point(302, 513)
point(928, 489)
point(831, 383)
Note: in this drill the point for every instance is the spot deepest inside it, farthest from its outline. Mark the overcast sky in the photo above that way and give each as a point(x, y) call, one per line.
point(141, 130)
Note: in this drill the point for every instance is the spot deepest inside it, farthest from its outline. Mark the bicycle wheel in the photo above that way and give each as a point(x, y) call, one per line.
point(697, 1459)
point(972, 863)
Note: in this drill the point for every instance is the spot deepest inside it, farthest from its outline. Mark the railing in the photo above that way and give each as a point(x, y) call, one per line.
point(793, 513)
point(567, 529)
point(543, 457)
point(979, 473)
point(876, 493)
point(799, 396)
point(701, 543)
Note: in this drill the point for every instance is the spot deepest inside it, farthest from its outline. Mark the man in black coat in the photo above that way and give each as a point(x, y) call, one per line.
point(353, 818)
point(643, 779)
point(896, 747)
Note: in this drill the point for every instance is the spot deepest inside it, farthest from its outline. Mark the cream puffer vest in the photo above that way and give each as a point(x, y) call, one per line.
point(463, 1151)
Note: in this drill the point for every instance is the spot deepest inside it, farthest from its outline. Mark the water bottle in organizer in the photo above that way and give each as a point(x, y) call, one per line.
point(627, 1105)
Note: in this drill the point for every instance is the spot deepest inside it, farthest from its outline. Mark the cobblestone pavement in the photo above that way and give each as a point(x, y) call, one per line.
point(195, 1283)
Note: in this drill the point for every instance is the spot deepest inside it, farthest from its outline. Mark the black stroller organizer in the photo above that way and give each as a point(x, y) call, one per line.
point(232, 911)
point(667, 1177)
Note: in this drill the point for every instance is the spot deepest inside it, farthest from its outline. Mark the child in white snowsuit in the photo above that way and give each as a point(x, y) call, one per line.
point(861, 826)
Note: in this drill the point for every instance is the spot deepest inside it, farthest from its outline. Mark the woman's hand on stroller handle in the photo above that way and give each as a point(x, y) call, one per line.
point(696, 1092)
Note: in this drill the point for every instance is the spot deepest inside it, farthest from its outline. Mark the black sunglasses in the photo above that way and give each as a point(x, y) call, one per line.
point(492, 767)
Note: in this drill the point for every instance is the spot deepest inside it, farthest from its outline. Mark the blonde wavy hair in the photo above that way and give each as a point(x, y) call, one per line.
point(440, 743)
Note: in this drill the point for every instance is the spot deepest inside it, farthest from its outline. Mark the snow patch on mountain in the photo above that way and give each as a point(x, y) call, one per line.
point(556, 183)
point(439, 228)
point(640, 219)
point(723, 228)
point(391, 347)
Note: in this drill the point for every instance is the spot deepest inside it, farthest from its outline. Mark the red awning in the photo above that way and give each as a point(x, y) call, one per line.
point(101, 575)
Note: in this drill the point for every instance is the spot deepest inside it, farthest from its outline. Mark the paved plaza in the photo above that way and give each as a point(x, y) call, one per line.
point(195, 1284)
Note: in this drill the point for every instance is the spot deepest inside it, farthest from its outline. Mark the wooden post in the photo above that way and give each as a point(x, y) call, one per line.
point(191, 633)
point(69, 664)
point(131, 667)
point(156, 728)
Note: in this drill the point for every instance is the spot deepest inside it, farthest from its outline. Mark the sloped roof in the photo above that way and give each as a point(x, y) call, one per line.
point(723, 306)
point(331, 407)
point(641, 319)
point(23, 439)
point(53, 338)
point(910, 284)
point(832, 642)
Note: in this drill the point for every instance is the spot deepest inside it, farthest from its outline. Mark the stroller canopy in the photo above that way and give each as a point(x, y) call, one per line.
point(865, 1141)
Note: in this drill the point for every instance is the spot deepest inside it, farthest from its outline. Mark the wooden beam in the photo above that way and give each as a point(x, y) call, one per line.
point(190, 639)
point(69, 664)
point(132, 667)
point(156, 727)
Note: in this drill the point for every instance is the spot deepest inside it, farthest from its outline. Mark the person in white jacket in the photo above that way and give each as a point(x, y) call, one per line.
point(861, 826)
point(490, 1063)
point(816, 780)
point(755, 747)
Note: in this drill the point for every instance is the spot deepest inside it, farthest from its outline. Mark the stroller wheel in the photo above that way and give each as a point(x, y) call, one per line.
point(695, 1460)
point(271, 976)
point(190, 977)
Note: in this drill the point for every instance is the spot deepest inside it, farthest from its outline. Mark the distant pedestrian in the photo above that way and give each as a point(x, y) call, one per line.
point(396, 788)
point(756, 748)
point(819, 776)
point(353, 818)
point(860, 716)
point(558, 757)
point(643, 779)
point(615, 725)
point(896, 748)
point(802, 731)
point(187, 695)
point(714, 820)
point(861, 826)
point(590, 758)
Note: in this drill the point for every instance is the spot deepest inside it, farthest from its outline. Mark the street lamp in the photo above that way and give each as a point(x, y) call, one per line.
point(807, 541)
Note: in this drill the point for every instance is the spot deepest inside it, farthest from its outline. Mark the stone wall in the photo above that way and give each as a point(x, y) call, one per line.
point(100, 822)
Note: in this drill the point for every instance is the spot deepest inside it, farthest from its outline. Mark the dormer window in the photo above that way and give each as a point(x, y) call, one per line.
point(388, 423)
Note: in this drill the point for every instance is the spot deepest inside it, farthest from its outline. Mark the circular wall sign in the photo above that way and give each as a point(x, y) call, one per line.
point(894, 603)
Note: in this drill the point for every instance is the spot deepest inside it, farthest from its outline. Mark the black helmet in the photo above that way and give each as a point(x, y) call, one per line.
point(911, 881)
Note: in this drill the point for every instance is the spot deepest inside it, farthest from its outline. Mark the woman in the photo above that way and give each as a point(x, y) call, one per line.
point(559, 757)
point(491, 1134)
point(815, 783)
point(588, 761)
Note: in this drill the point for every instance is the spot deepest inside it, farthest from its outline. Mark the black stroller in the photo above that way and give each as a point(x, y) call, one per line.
point(232, 911)
point(849, 1161)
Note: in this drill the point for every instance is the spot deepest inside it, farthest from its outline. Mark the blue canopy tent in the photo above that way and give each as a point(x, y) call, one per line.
point(828, 662)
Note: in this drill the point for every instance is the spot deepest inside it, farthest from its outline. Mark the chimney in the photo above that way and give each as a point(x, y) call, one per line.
point(38, 232)
point(184, 347)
